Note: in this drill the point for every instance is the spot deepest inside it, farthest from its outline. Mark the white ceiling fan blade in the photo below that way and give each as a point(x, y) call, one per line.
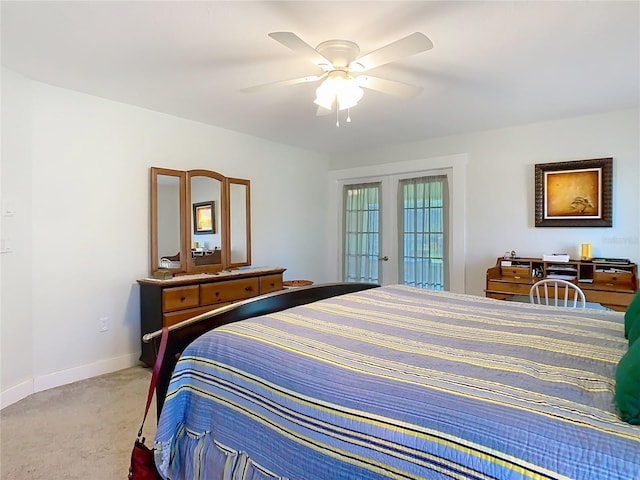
point(283, 83)
point(390, 87)
point(299, 46)
point(409, 45)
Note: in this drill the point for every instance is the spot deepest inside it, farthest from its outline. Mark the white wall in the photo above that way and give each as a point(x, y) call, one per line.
point(16, 299)
point(500, 185)
point(77, 168)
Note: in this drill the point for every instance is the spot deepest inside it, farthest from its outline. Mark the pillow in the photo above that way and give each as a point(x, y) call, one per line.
point(627, 393)
point(634, 333)
point(632, 313)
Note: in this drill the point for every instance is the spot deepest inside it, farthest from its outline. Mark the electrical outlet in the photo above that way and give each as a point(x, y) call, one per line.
point(104, 324)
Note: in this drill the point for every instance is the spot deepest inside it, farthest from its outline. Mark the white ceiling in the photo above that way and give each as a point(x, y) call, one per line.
point(493, 64)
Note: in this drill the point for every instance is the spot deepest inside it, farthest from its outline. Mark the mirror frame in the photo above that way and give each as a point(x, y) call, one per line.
point(153, 216)
point(186, 266)
point(247, 184)
point(224, 222)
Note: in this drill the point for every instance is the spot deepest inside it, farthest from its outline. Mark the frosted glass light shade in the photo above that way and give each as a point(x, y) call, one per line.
point(349, 95)
point(338, 86)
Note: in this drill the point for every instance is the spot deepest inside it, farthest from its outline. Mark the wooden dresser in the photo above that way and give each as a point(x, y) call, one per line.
point(167, 302)
point(611, 284)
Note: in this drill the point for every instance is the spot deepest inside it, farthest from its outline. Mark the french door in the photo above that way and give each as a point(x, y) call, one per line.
point(395, 230)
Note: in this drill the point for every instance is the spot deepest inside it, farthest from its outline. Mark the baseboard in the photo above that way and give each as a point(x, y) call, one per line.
point(16, 393)
point(64, 377)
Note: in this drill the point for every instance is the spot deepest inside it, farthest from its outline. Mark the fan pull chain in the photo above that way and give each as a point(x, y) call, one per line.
point(348, 115)
point(337, 117)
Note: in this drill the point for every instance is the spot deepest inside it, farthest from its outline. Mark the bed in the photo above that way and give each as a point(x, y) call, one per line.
point(395, 382)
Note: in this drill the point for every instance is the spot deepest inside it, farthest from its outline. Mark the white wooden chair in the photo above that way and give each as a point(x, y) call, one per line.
point(548, 289)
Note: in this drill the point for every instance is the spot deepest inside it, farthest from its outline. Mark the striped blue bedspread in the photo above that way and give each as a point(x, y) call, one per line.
point(399, 382)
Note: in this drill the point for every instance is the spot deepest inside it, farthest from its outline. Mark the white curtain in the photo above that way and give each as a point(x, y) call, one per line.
point(423, 207)
point(361, 233)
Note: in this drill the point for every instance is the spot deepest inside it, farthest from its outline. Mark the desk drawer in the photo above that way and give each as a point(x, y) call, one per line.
point(270, 283)
point(233, 290)
point(609, 298)
point(613, 278)
point(516, 272)
point(178, 298)
point(507, 287)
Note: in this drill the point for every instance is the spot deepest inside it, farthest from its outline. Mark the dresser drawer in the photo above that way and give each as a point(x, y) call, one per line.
point(270, 283)
point(177, 298)
point(233, 290)
point(172, 318)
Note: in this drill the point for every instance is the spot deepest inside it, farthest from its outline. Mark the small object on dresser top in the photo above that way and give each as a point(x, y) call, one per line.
point(162, 274)
point(297, 283)
point(555, 257)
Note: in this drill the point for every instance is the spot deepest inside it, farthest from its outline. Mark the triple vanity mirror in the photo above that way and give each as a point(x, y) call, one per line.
point(200, 221)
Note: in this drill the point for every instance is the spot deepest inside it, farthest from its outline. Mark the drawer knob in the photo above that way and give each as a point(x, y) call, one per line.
point(182, 299)
point(247, 289)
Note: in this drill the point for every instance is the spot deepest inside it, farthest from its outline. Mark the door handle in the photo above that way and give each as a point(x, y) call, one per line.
point(384, 259)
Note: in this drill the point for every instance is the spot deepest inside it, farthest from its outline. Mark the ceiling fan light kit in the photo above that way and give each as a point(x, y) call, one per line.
point(341, 83)
point(339, 88)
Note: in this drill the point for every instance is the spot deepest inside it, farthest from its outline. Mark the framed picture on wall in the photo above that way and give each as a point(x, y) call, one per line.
point(574, 194)
point(204, 218)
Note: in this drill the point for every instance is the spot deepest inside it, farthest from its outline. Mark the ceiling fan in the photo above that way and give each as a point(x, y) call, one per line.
point(343, 71)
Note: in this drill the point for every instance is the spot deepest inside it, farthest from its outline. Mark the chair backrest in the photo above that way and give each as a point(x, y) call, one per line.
point(549, 289)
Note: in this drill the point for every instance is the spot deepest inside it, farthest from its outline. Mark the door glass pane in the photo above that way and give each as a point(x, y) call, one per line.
point(361, 233)
point(423, 205)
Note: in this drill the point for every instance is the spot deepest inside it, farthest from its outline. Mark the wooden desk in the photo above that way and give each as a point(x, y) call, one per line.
point(612, 285)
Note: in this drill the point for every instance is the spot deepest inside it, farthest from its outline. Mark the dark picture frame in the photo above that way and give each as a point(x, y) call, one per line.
point(204, 218)
point(574, 194)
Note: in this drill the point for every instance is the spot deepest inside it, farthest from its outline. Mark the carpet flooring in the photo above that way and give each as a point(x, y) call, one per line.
point(84, 430)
